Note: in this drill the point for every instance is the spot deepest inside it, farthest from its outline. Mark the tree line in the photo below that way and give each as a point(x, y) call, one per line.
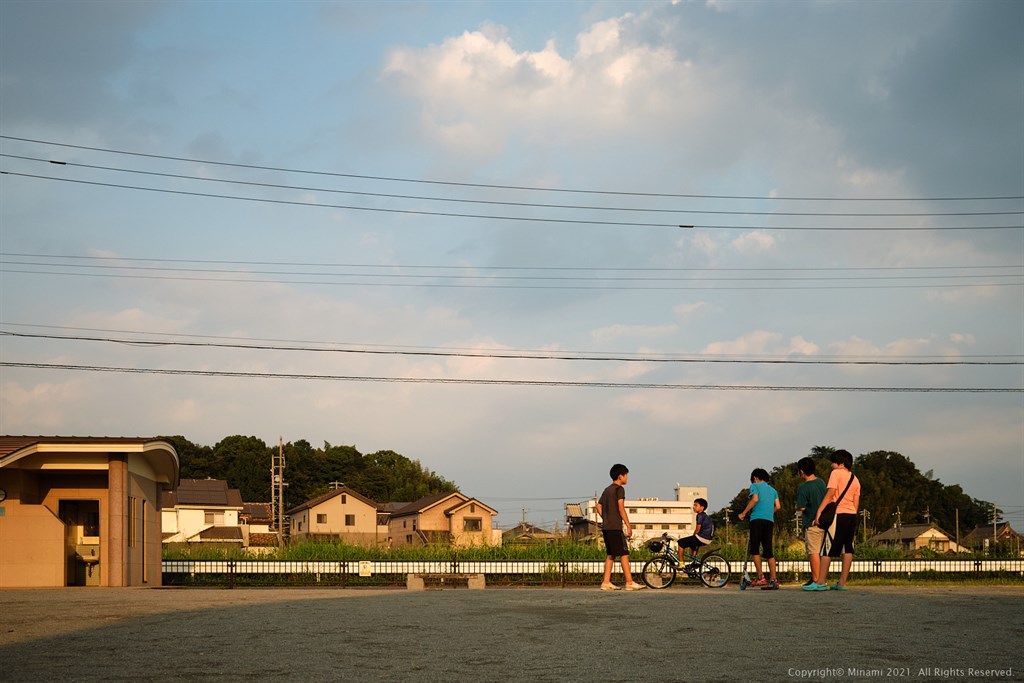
point(245, 462)
point(893, 491)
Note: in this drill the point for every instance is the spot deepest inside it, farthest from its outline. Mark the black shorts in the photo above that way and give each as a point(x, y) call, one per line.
point(692, 542)
point(761, 531)
point(843, 531)
point(615, 543)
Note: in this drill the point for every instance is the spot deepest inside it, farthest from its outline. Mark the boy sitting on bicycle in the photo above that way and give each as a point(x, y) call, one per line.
point(703, 532)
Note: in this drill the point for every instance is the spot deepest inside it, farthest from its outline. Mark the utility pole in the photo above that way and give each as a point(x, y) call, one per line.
point(277, 490)
point(995, 532)
point(727, 526)
point(865, 516)
point(899, 521)
point(958, 529)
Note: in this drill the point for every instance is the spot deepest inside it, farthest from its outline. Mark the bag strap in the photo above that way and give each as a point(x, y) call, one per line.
point(850, 481)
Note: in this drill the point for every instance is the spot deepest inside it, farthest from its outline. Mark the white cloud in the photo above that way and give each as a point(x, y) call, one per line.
point(756, 240)
point(619, 331)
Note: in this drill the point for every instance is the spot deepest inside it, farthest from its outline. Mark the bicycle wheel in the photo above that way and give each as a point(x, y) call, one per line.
point(714, 571)
point(659, 573)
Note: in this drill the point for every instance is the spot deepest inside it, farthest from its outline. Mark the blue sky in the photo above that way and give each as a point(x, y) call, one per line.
point(711, 114)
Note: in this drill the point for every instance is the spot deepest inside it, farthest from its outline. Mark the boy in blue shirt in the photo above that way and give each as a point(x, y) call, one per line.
point(764, 501)
point(704, 529)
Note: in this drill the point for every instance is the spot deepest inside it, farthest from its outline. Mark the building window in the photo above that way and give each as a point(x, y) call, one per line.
point(350, 520)
point(632, 511)
point(408, 539)
point(472, 524)
point(664, 526)
point(344, 498)
point(145, 563)
point(131, 522)
point(214, 517)
point(472, 507)
point(321, 518)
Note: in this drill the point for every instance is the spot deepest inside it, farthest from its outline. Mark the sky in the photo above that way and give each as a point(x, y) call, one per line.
point(521, 242)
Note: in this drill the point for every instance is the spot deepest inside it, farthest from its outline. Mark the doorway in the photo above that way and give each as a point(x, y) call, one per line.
point(81, 541)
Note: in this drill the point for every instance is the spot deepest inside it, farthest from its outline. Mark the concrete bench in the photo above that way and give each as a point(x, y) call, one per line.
point(419, 582)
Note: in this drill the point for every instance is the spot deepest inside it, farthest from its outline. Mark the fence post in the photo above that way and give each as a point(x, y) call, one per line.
point(231, 574)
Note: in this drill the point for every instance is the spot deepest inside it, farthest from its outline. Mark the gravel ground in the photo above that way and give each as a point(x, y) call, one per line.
point(536, 634)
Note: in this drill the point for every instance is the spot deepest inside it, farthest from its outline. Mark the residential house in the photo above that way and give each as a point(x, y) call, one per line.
point(526, 533)
point(913, 537)
point(983, 537)
point(258, 525)
point(580, 527)
point(652, 517)
point(202, 511)
point(341, 514)
point(82, 511)
point(444, 518)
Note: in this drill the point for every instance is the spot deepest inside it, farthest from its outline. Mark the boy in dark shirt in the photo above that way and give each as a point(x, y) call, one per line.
point(611, 507)
point(704, 530)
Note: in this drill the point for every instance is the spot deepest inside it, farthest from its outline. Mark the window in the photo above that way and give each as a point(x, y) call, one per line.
point(664, 526)
point(213, 517)
point(131, 522)
point(472, 507)
point(408, 539)
point(350, 520)
point(145, 564)
point(632, 511)
point(344, 498)
point(472, 524)
point(321, 518)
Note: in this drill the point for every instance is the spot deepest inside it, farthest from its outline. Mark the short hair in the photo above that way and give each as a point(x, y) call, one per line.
point(760, 473)
point(842, 457)
point(703, 503)
point(806, 465)
point(618, 470)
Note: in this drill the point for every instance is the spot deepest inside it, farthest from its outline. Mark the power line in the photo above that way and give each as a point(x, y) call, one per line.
point(479, 276)
point(501, 356)
point(498, 186)
point(502, 382)
point(449, 349)
point(527, 219)
point(488, 202)
point(472, 267)
point(450, 285)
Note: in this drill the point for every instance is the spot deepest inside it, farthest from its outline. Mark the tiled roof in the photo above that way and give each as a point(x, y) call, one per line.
point(313, 502)
point(906, 532)
point(202, 492)
point(10, 444)
point(425, 502)
point(221, 533)
point(257, 512)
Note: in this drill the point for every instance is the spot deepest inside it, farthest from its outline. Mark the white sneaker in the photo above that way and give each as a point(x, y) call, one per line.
point(635, 586)
point(609, 587)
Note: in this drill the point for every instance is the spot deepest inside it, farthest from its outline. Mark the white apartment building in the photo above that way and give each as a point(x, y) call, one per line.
point(652, 517)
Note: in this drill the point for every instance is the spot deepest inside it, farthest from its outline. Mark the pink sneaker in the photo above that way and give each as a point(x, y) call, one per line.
point(757, 583)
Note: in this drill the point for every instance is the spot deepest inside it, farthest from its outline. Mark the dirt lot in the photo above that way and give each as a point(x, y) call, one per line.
point(693, 634)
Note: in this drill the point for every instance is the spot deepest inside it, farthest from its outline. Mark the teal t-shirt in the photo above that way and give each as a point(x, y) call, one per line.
point(766, 496)
point(809, 496)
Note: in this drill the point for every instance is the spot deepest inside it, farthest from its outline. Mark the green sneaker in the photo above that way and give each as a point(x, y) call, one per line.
point(816, 587)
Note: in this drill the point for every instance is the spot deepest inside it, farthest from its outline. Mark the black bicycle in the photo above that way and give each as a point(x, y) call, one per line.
point(660, 572)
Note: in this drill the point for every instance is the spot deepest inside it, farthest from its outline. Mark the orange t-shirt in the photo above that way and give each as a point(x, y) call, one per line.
point(837, 480)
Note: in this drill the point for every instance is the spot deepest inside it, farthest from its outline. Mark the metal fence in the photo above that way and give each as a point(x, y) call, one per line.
point(396, 571)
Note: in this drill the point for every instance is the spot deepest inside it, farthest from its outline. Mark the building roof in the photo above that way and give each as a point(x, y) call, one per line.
point(574, 509)
point(221, 533)
point(981, 533)
point(313, 502)
point(467, 502)
point(202, 493)
point(907, 532)
point(159, 454)
point(257, 513)
point(426, 502)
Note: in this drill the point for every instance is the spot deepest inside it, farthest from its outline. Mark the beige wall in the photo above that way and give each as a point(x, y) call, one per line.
point(463, 538)
point(364, 532)
point(33, 552)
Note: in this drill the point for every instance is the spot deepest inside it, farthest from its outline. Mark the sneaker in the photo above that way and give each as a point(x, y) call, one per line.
point(758, 583)
point(635, 586)
point(808, 582)
point(772, 586)
point(836, 587)
point(609, 587)
point(816, 587)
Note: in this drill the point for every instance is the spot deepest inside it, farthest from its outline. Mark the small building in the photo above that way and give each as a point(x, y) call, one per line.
point(652, 517)
point(258, 525)
point(526, 533)
point(1002, 535)
point(202, 511)
point(82, 511)
point(339, 515)
point(913, 537)
point(444, 518)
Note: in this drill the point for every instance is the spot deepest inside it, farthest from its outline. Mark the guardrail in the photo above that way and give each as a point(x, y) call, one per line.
point(561, 572)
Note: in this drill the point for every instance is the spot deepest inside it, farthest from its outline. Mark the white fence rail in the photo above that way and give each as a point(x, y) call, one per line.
point(541, 567)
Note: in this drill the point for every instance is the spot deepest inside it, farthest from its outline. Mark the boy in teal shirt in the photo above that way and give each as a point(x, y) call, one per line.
point(764, 501)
